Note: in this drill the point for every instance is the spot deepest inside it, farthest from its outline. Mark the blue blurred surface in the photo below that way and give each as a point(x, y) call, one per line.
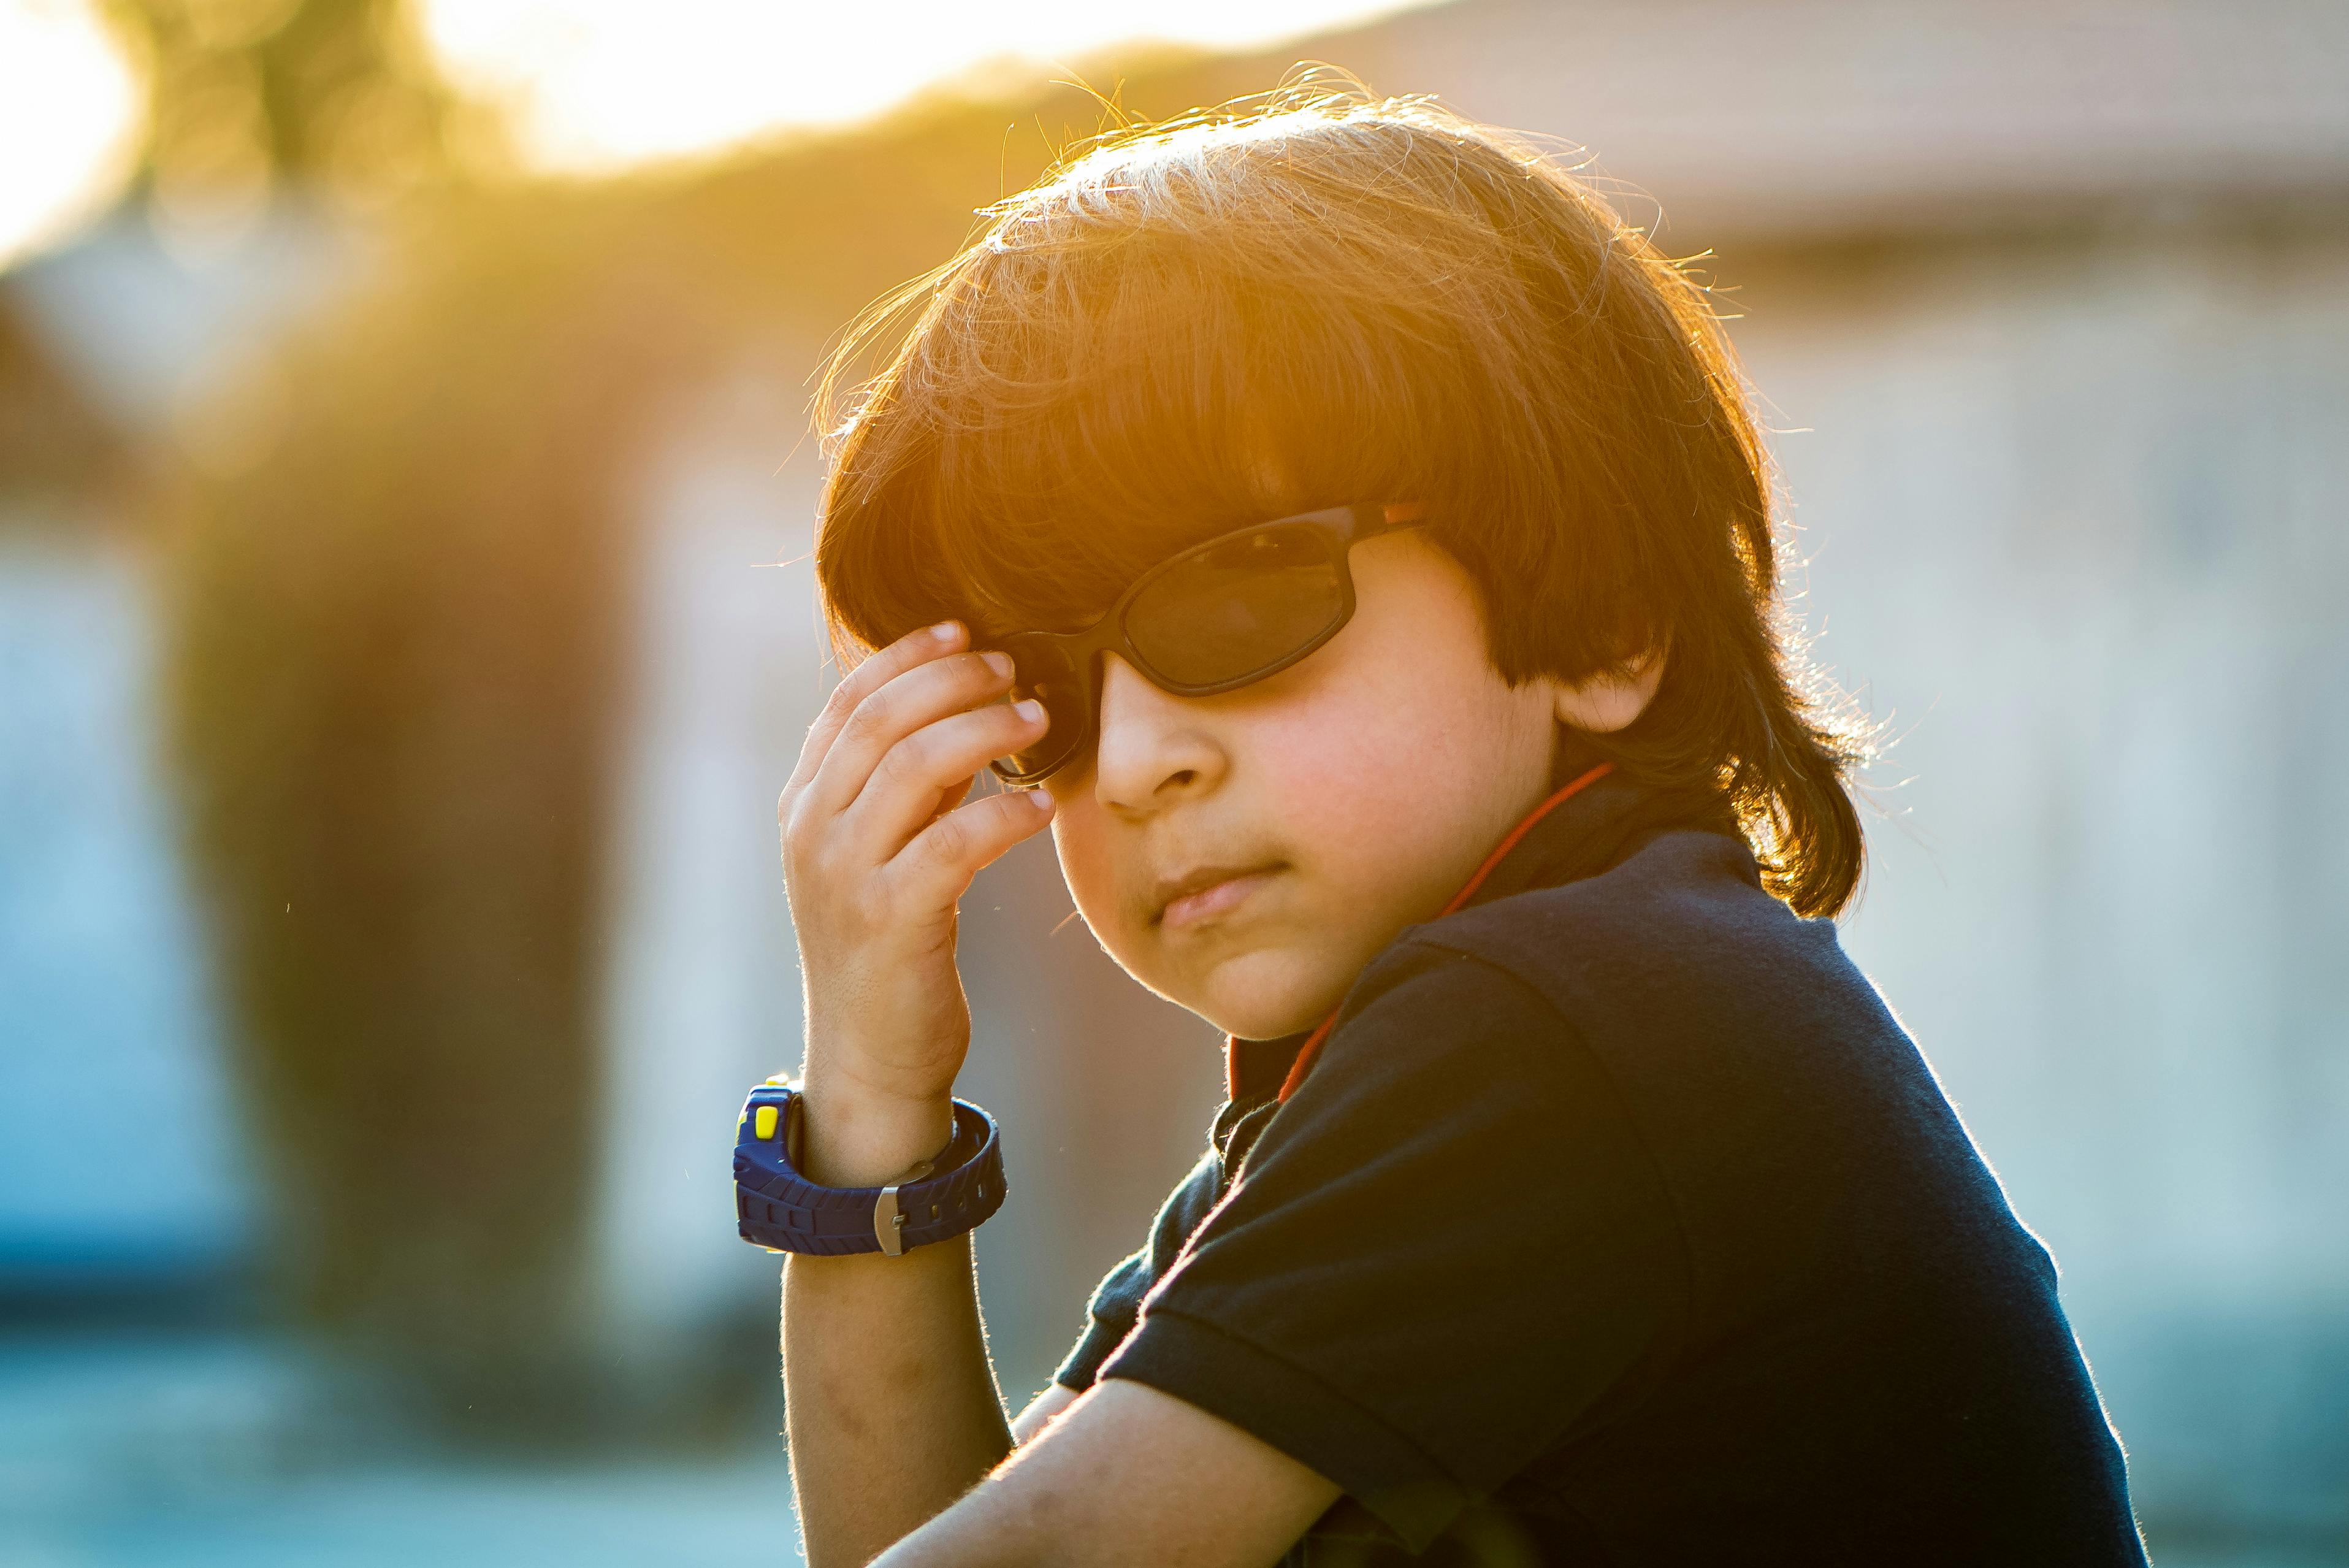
point(111, 1035)
point(240, 1453)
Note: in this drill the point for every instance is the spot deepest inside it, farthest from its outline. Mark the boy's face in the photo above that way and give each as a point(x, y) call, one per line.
point(1245, 854)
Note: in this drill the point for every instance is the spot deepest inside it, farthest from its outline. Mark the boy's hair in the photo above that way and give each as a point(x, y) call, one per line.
point(1324, 298)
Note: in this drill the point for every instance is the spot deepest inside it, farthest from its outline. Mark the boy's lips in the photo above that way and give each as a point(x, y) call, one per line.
point(1201, 894)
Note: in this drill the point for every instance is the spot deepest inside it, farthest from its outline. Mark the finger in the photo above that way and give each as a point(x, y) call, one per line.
point(920, 777)
point(914, 649)
point(952, 798)
point(936, 868)
point(902, 704)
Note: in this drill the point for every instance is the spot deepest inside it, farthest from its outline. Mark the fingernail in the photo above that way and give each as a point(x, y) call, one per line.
point(1041, 799)
point(1029, 710)
point(1000, 663)
point(945, 630)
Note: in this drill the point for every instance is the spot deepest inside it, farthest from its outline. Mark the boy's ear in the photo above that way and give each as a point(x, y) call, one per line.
point(1611, 700)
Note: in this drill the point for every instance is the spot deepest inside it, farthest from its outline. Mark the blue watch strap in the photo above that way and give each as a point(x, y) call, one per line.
point(777, 1208)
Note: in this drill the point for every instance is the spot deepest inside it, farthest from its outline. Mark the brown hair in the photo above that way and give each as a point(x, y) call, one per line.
point(1324, 299)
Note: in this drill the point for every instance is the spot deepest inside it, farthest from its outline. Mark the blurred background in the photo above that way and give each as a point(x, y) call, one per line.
point(406, 624)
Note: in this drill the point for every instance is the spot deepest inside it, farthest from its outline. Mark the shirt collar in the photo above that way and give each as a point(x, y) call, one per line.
point(1598, 829)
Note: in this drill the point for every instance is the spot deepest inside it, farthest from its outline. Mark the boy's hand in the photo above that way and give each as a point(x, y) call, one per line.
point(878, 845)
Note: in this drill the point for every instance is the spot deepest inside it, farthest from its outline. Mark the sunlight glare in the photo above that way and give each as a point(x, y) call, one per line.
point(597, 85)
point(69, 116)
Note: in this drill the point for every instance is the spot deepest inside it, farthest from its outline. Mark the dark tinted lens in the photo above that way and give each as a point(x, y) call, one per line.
point(1040, 670)
point(1233, 607)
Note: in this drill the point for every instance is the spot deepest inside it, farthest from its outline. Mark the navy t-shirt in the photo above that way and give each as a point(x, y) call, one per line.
point(1618, 1221)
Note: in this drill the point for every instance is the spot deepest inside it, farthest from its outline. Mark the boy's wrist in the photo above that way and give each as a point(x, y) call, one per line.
point(856, 1138)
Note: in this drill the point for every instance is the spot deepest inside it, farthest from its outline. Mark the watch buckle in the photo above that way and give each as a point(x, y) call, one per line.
point(889, 1224)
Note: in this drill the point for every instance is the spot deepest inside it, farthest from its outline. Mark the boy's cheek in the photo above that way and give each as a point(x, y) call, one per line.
point(1087, 868)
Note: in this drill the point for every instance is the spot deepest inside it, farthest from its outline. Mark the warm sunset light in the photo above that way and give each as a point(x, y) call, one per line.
point(598, 85)
point(68, 116)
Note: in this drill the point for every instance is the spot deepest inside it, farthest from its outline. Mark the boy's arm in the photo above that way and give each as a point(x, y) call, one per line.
point(890, 1399)
point(890, 1402)
point(892, 1409)
point(1127, 1475)
point(1042, 1411)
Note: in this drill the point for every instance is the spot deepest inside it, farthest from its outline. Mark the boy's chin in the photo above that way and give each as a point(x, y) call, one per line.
point(1261, 996)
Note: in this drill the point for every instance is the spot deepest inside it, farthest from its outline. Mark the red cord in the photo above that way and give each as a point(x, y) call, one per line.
point(1304, 1062)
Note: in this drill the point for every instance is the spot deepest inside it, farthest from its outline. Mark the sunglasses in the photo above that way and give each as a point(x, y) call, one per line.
point(1236, 609)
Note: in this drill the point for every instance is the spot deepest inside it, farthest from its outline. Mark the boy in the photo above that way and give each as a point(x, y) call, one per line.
point(1373, 540)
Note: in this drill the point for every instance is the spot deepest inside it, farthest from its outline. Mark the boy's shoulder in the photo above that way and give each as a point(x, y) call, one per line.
point(1771, 1086)
point(1733, 1034)
point(1689, 903)
point(1680, 929)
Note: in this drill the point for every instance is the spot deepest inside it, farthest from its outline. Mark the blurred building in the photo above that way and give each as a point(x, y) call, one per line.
point(112, 355)
point(132, 1185)
point(111, 1026)
point(2050, 304)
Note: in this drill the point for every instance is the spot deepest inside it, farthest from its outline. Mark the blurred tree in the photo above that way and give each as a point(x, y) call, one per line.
point(334, 95)
point(392, 691)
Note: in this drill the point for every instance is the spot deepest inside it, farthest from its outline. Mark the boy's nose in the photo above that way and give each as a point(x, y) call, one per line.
point(1151, 746)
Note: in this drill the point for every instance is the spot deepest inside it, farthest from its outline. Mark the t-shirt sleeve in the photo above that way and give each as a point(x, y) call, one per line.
point(1116, 1302)
point(1446, 1250)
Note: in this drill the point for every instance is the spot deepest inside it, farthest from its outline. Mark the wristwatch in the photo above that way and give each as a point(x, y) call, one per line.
point(781, 1209)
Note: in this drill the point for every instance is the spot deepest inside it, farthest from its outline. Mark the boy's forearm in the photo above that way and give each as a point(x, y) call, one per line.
point(891, 1404)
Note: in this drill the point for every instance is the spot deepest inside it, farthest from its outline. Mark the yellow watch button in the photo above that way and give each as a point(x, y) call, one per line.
point(764, 1126)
